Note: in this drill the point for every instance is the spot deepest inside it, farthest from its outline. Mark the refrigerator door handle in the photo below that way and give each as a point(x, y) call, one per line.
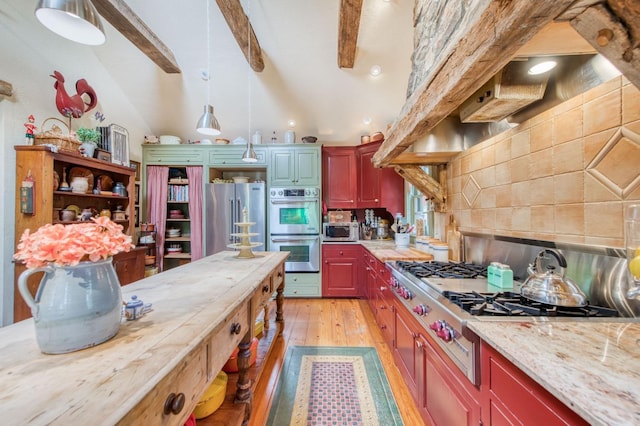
point(231, 216)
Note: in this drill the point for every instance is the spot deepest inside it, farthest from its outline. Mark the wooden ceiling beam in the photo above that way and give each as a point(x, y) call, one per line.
point(488, 42)
point(240, 27)
point(123, 19)
point(350, 11)
point(6, 89)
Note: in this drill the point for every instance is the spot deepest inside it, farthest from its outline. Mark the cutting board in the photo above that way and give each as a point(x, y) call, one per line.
point(387, 255)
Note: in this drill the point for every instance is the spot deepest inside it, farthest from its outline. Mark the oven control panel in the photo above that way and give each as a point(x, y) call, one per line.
point(284, 193)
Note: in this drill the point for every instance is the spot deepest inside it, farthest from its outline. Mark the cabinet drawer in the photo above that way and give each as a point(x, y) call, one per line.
point(302, 285)
point(189, 379)
point(225, 340)
point(173, 155)
point(232, 156)
point(262, 295)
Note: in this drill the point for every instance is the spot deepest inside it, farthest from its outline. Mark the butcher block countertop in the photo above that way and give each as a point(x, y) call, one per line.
point(168, 350)
point(591, 366)
point(387, 251)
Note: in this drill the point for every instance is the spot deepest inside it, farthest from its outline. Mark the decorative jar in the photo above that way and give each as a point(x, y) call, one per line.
point(75, 307)
point(80, 185)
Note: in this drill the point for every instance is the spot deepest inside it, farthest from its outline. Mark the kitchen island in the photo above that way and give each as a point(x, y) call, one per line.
point(155, 369)
point(591, 366)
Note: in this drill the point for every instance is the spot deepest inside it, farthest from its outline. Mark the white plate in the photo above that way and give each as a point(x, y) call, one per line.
point(239, 141)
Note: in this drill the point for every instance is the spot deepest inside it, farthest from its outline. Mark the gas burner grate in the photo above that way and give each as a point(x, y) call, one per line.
point(443, 269)
point(513, 304)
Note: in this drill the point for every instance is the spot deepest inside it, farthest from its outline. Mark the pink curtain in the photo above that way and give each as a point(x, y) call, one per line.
point(157, 178)
point(194, 174)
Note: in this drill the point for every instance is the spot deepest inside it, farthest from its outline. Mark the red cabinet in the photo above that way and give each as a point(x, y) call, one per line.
point(349, 180)
point(443, 395)
point(340, 270)
point(339, 177)
point(378, 187)
point(512, 397)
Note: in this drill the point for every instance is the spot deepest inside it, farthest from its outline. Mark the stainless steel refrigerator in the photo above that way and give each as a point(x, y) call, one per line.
point(224, 203)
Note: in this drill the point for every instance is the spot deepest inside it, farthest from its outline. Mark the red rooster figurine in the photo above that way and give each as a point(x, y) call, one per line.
point(73, 106)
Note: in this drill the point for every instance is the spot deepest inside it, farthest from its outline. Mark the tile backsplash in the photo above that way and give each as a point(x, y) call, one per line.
point(564, 175)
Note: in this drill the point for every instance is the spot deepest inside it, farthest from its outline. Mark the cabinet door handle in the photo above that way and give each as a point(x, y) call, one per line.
point(235, 328)
point(265, 289)
point(376, 200)
point(419, 344)
point(174, 403)
point(341, 253)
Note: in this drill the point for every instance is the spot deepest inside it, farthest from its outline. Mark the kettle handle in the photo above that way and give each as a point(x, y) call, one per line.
point(562, 261)
point(24, 289)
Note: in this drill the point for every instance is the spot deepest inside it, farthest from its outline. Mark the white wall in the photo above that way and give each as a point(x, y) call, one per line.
point(29, 53)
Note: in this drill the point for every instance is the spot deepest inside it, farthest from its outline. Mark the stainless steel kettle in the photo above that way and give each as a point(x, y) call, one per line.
point(550, 287)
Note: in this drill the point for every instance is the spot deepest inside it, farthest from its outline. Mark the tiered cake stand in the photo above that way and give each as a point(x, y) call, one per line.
point(245, 245)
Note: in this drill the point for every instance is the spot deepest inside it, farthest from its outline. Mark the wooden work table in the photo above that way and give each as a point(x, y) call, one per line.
point(201, 312)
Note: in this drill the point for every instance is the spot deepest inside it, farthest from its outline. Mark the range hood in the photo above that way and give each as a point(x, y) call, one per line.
point(512, 89)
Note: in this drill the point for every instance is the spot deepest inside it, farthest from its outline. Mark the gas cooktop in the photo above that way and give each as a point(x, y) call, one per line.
point(435, 269)
point(513, 304)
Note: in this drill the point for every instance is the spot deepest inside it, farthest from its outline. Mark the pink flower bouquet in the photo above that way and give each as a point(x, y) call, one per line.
point(68, 245)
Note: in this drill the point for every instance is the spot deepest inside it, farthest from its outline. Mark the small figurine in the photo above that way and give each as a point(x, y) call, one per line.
point(30, 128)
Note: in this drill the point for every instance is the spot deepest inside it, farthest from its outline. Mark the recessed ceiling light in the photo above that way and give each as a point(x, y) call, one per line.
point(542, 67)
point(375, 70)
point(367, 120)
point(291, 123)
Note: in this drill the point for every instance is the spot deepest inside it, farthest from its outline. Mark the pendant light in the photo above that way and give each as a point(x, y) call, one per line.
point(249, 154)
point(76, 20)
point(208, 124)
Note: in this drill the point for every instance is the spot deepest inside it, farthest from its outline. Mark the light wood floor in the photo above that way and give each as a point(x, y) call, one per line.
point(330, 322)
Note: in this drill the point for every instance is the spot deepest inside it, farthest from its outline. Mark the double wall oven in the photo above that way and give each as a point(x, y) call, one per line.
point(294, 226)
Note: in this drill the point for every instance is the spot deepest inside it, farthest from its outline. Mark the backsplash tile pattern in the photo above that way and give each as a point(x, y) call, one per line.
point(565, 175)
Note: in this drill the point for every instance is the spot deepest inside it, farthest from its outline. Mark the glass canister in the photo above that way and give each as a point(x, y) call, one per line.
point(632, 248)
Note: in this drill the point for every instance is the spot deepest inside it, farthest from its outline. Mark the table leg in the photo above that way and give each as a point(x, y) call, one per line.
point(243, 388)
point(279, 304)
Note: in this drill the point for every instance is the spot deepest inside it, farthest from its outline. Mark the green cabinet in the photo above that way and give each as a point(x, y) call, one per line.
point(295, 166)
point(302, 285)
point(231, 156)
point(174, 154)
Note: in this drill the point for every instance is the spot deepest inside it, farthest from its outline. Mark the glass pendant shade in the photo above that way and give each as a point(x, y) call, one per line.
point(208, 124)
point(249, 154)
point(76, 20)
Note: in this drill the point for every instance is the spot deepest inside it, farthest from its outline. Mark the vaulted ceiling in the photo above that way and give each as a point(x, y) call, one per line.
point(310, 63)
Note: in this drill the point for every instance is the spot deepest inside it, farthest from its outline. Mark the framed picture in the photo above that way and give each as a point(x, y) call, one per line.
point(135, 165)
point(136, 199)
point(136, 216)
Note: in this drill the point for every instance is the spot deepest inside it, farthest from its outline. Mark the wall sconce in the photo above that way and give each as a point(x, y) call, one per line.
point(75, 20)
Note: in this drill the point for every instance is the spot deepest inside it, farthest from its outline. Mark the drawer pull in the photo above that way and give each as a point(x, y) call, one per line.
point(174, 403)
point(236, 327)
point(265, 289)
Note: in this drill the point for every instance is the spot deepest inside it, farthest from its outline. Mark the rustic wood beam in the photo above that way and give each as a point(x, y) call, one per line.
point(577, 8)
point(348, 28)
point(612, 38)
point(498, 30)
point(240, 28)
point(6, 89)
point(423, 183)
point(133, 28)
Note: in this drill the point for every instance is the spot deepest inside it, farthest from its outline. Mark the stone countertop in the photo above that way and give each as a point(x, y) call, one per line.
point(591, 366)
point(386, 250)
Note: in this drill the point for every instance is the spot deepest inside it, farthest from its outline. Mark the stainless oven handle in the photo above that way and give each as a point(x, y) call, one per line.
point(288, 239)
point(312, 200)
